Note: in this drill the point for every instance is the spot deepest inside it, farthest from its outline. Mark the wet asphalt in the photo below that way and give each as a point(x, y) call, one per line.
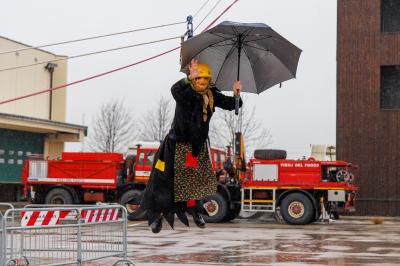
point(348, 241)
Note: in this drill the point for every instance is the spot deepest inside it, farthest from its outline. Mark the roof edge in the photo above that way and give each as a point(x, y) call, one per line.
point(30, 46)
point(44, 121)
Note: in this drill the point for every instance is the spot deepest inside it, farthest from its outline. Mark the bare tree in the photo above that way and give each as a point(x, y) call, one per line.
point(157, 121)
point(226, 124)
point(112, 128)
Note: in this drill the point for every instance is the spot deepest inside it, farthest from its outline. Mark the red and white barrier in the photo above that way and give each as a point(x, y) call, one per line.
point(100, 215)
point(52, 217)
point(42, 218)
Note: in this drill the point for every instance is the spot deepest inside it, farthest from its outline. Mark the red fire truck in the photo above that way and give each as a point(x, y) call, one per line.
point(80, 177)
point(300, 189)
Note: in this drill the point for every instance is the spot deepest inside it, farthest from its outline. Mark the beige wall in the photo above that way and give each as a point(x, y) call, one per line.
point(22, 81)
point(53, 150)
point(27, 80)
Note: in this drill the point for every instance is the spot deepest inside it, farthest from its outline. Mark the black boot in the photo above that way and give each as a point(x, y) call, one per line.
point(197, 218)
point(156, 225)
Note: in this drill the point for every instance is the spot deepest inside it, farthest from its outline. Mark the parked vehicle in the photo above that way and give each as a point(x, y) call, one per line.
point(82, 177)
point(300, 190)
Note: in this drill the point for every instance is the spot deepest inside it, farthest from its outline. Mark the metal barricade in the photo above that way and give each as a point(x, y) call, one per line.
point(63, 235)
point(4, 206)
point(1, 239)
point(97, 204)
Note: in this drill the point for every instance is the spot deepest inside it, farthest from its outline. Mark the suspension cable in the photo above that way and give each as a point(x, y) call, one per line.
point(95, 37)
point(90, 77)
point(220, 15)
point(102, 36)
point(198, 11)
point(212, 9)
point(91, 53)
point(91, 38)
point(113, 70)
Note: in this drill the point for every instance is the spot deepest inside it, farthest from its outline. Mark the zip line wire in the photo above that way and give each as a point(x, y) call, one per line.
point(95, 37)
point(91, 53)
point(90, 38)
point(220, 15)
point(89, 78)
point(198, 11)
point(102, 36)
point(212, 9)
point(116, 69)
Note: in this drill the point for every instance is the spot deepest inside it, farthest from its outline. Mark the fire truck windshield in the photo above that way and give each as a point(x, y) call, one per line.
point(150, 158)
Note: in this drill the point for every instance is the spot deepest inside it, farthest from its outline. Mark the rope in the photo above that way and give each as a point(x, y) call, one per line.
point(91, 53)
point(89, 78)
point(110, 71)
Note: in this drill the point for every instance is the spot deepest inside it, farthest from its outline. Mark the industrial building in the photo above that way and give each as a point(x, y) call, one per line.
point(33, 126)
point(368, 100)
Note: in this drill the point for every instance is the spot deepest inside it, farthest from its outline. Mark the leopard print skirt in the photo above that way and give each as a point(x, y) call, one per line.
point(193, 182)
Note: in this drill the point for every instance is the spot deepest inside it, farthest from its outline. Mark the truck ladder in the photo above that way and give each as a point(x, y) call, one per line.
point(259, 204)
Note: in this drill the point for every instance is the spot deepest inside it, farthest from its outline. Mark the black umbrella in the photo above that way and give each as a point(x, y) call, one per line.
point(250, 52)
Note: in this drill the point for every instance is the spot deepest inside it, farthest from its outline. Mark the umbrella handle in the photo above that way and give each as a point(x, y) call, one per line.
point(237, 101)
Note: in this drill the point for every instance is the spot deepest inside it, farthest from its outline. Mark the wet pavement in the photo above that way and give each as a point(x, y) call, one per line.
point(348, 241)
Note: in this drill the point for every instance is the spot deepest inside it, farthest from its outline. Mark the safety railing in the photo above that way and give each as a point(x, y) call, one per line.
point(4, 206)
point(63, 235)
point(1, 239)
point(97, 204)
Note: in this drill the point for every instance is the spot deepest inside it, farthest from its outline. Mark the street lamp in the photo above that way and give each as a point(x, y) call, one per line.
point(50, 67)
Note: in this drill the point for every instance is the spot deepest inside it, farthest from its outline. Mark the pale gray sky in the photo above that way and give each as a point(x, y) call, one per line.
point(301, 113)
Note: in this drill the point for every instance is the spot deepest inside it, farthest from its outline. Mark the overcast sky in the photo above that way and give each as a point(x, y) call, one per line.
point(301, 113)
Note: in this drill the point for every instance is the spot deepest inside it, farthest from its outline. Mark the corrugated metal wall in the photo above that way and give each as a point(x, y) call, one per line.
point(367, 135)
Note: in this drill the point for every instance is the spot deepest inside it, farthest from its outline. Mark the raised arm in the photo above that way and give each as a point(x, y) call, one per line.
point(223, 101)
point(227, 102)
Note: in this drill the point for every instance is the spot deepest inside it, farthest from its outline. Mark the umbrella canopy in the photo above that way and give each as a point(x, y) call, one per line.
point(250, 52)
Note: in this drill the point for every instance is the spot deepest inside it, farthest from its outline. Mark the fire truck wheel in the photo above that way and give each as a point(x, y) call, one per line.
point(269, 154)
point(58, 196)
point(131, 201)
point(296, 208)
point(217, 208)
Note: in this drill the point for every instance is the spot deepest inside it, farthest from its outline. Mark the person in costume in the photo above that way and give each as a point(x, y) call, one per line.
point(182, 172)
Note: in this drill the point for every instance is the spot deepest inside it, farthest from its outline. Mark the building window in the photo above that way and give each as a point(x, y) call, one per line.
point(390, 18)
point(390, 87)
point(141, 159)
